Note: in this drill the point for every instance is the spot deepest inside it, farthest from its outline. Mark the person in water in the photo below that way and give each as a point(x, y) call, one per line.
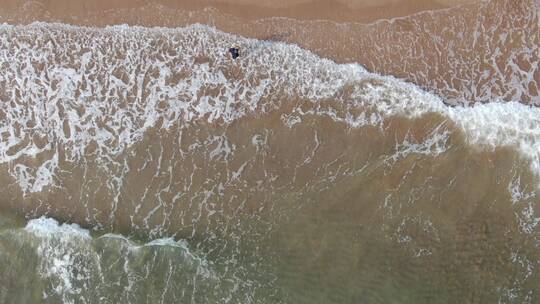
point(235, 52)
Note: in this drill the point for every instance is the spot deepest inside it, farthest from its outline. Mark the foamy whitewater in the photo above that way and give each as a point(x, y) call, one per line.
point(257, 180)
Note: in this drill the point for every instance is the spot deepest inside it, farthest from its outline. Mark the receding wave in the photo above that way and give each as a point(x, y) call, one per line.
point(286, 177)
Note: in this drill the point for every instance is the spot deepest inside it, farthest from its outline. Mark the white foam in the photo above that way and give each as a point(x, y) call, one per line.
point(495, 125)
point(63, 254)
point(486, 126)
point(79, 107)
point(87, 99)
point(434, 144)
point(68, 259)
point(49, 227)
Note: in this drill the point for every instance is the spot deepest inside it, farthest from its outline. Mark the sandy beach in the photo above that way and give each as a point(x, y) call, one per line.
point(356, 151)
point(362, 11)
point(446, 47)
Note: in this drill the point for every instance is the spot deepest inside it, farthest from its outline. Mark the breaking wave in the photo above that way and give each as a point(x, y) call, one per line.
point(257, 165)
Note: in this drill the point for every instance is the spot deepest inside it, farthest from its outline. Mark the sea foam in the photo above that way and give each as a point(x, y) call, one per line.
point(71, 259)
point(80, 87)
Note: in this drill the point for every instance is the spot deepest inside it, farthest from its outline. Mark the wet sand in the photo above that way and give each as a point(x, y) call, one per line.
point(463, 51)
point(335, 10)
point(294, 189)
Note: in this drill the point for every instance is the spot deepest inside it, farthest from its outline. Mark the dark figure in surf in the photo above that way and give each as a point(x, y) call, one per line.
point(235, 52)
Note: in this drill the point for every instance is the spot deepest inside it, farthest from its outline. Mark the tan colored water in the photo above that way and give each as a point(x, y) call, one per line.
point(283, 177)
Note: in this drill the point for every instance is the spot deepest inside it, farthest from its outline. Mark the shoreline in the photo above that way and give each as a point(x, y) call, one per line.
point(445, 47)
point(357, 11)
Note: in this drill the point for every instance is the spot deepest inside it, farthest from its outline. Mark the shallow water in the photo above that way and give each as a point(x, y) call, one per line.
point(484, 51)
point(278, 178)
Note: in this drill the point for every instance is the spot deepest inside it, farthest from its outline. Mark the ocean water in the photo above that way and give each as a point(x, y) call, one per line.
point(144, 165)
